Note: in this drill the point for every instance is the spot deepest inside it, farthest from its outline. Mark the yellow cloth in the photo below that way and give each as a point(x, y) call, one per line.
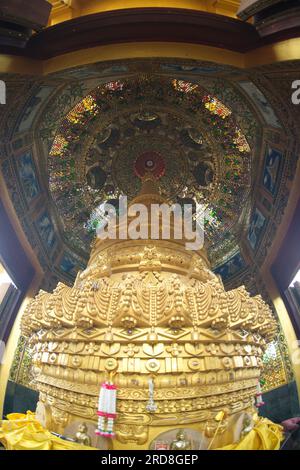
point(264, 436)
point(24, 432)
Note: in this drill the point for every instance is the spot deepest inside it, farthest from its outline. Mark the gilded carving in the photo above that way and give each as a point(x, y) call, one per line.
point(145, 311)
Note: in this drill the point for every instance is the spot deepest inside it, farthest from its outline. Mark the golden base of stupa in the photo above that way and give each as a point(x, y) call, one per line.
point(150, 317)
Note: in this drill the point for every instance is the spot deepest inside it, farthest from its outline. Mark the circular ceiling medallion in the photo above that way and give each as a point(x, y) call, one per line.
point(96, 177)
point(195, 136)
point(150, 161)
point(145, 120)
point(147, 116)
point(162, 158)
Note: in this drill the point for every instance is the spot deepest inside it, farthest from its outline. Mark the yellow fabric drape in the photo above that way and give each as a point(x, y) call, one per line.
point(264, 436)
point(24, 432)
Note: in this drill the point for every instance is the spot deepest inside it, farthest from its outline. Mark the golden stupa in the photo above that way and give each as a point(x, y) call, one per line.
point(153, 318)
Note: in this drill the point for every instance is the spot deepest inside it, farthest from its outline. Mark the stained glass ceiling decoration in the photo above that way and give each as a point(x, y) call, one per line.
point(114, 86)
point(83, 110)
point(98, 142)
point(215, 106)
point(59, 146)
point(241, 141)
point(184, 87)
point(211, 103)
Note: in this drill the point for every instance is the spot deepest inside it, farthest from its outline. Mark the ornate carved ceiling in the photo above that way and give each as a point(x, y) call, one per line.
point(71, 140)
point(205, 152)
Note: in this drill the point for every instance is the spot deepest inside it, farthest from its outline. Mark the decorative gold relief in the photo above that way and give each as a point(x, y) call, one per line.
point(152, 365)
point(132, 433)
point(147, 311)
point(111, 364)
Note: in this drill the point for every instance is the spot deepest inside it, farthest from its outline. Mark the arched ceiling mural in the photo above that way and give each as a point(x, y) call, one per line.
point(70, 141)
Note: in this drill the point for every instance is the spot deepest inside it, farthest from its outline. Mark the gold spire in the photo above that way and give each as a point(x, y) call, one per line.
point(149, 192)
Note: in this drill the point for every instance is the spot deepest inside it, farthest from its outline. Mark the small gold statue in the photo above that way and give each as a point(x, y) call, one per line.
point(181, 442)
point(81, 436)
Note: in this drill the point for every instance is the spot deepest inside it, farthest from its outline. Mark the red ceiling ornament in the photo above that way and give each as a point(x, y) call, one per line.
point(149, 161)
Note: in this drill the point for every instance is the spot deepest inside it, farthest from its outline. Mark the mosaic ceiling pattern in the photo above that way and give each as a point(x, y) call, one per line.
point(71, 140)
point(206, 155)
